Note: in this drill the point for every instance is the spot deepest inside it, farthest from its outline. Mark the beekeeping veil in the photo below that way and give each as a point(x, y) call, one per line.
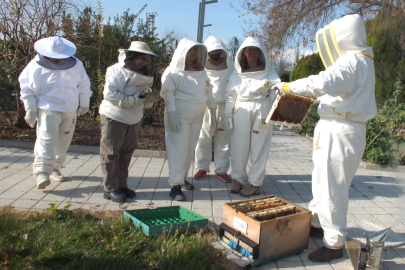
point(133, 52)
point(344, 35)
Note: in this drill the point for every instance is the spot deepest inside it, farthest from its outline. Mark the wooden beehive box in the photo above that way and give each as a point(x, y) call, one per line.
point(266, 227)
point(290, 110)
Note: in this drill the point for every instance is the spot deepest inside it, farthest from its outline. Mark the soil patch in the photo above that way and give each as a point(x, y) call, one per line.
point(87, 132)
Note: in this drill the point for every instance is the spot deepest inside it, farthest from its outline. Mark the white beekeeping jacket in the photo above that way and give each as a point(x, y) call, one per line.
point(121, 82)
point(54, 90)
point(346, 88)
point(193, 86)
point(219, 78)
point(245, 86)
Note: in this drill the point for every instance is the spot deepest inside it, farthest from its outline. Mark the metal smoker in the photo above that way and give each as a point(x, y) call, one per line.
point(374, 248)
point(373, 251)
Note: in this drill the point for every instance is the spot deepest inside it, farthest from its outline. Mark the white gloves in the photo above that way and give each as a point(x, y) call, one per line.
point(82, 110)
point(31, 118)
point(263, 90)
point(227, 125)
point(173, 121)
point(279, 87)
point(128, 102)
point(213, 113)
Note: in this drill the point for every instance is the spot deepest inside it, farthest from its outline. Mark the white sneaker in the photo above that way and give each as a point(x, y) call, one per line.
point(57, 176)
point(43, 180)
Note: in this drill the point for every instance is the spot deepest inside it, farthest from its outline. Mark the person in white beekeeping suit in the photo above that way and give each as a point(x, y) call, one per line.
point(248, 103)
point(219, 68)
point(346, 94)
point(126, 93)
point(187, 93)
point(55, 90)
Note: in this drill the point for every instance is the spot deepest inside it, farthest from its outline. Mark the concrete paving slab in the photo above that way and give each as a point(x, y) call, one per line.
point(376, 194)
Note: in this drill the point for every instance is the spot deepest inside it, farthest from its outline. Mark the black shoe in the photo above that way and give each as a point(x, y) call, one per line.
point(188, 185)
point(316, 232)
point(129, 193)
point(116, 196)
point(325, 254)
point(177, 194)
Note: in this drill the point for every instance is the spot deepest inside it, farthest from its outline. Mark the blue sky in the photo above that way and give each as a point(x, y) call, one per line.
point(181, 16)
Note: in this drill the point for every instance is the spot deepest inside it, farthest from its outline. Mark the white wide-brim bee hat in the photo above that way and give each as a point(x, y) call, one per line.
point(55, 47)
point(139, 46)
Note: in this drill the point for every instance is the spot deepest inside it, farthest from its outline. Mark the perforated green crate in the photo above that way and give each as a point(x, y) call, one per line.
point(168, 219)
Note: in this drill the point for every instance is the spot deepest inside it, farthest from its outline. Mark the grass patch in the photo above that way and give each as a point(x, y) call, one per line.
point(80, 239)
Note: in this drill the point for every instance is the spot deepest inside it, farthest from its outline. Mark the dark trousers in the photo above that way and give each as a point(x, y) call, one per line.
point(117, 144)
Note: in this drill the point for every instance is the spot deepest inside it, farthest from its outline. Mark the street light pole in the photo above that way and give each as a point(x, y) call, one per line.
point(199, 23)
point(201, 15)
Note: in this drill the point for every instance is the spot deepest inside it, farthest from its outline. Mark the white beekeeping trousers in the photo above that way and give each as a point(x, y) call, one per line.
point(180, 146)
point(222, 141)
point(338, 148)
point(250, 136)
point(54, 135)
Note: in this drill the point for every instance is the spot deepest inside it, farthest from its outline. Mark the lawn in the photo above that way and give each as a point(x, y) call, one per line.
point(79, 239)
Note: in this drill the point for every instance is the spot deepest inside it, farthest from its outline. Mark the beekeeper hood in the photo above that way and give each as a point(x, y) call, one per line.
point(341, 36)
point(213, 44)
point(136, 58)
point(55, 48)
point(262, 56)
point(178, 62)
point(267, 73)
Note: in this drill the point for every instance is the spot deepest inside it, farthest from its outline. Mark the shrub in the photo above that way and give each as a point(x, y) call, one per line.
point(308, 125)
point(386, 132)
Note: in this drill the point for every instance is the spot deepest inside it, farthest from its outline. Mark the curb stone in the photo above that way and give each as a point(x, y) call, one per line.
point(85, 149)
point(371, 166)
point(375, 167)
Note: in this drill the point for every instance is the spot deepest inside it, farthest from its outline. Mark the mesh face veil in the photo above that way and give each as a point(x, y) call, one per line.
point(140, 63)
point(327, 45)
point(222, 55)
point(243, 62)
point(199, 54)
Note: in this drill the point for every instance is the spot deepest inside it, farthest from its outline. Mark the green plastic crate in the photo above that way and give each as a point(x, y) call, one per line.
point(168, 219)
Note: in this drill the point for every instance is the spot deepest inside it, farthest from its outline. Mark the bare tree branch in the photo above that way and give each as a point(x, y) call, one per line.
point(281, 23)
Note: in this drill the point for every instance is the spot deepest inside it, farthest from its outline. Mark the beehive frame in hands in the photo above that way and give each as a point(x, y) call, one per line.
point(290, 110)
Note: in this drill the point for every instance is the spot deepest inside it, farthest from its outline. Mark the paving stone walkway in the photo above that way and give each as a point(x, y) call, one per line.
point(376, 196)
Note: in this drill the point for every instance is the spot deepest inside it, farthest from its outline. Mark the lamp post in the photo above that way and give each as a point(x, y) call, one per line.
point(201, 15)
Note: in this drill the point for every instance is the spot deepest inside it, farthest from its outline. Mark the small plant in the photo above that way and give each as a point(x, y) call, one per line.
point(53, 208)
